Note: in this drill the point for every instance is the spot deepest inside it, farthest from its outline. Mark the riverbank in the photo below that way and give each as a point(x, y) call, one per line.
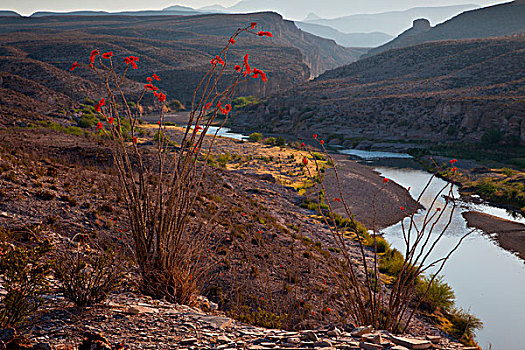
point(374, 203)
point(510, 235)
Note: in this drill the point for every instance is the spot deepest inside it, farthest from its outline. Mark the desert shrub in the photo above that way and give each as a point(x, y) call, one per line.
point(508, 171)
point(382, 246)
point(486, 186)
point(87, 276)
point(461, 325)
point(244, 101)
point(259, 317)
point(280, 141)
point(440, 294)
point(255, 137)
point(270, 141)
point(176, 105)
point(392, 262)
point(23, 269)
point(224, 159)
point(87, 121)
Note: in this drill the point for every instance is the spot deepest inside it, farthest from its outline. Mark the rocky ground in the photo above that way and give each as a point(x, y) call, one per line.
point(135, 322)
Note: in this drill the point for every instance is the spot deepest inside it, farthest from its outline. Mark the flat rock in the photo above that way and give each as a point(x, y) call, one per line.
point(411, 343)
point(359, 331)
point(370, 346)
point(138, 310)
point(434, 338)
point(214, 321)
point(188, 341)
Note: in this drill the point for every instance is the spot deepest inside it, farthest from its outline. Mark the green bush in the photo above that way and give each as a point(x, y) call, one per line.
point(380, 243)
point(255, 137)
point(244, 101)
point(280, 141)
point(24, 270)
point(462, 325)
point(440, 295)
point(87, 121)
point(259, 317)
point(224, 159)
point(392, 263)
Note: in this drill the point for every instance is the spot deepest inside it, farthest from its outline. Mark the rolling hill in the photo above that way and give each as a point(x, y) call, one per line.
point(455, 90)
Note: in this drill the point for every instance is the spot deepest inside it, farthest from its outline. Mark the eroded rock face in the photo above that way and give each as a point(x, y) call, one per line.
point(441, 91)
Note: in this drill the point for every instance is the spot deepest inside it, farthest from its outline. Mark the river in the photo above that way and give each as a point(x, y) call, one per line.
point(487, 280)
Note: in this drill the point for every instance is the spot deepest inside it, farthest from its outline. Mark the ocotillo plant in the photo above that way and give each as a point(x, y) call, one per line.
point(369, 300)
point(160, 185)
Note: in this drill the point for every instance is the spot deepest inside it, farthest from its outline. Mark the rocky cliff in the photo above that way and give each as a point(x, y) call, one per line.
point(178, 48)
point(492, 21)
point(439, 91)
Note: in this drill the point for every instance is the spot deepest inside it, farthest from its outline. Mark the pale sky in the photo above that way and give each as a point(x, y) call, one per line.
point(26, 7)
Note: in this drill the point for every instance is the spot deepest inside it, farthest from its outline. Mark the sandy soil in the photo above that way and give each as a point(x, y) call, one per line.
point(510, 235)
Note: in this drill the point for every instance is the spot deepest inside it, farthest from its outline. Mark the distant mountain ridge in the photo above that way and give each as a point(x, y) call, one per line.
point(9, 14)
point(346, 39)
point(393, 22)
point(492, 21)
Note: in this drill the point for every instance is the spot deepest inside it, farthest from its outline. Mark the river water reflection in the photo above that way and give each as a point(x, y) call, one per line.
point(487, 280)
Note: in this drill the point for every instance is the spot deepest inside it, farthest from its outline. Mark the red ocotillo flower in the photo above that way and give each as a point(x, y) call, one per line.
point(385, 180)
point(110, 120)
point(155, 76)
point(74, 66)
point(100, 126)
point(237, 68)
point(259, 73)
point(253, 25)
point(402, 208)
point(315, 136)
point(131, 60)
point(134, 139)
point(92, 56)
point(161, 97)
point(321, 142)
point(232, 41)
point(150, 87)
point(248, 68)
point(149, 79)
point(268, 34)
point(303, 145)
point(337, 199)
point(208, 105)
point(452, 161)
point(107, 55)
point(216, 60)
point(100, 103)
point(305, 161)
